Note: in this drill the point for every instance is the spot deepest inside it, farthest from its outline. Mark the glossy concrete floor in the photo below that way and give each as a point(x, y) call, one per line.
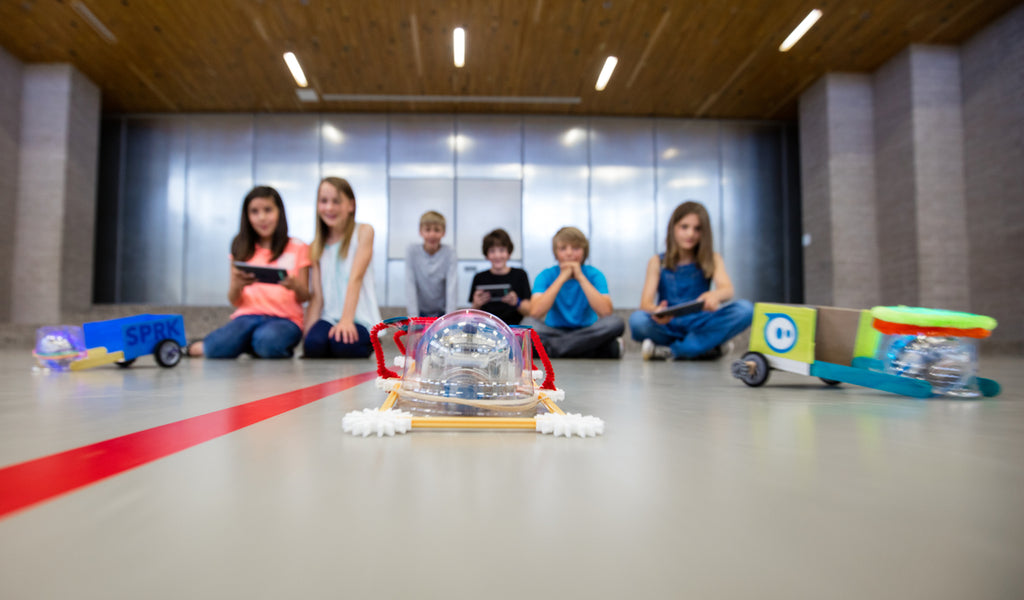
point(700, 488)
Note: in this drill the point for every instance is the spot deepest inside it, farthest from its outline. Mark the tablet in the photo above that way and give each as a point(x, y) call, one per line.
point(686, 308)
point(263, 274)
point(496, 290)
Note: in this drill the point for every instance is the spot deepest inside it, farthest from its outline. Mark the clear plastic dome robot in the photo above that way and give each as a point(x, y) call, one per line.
point(466, 370)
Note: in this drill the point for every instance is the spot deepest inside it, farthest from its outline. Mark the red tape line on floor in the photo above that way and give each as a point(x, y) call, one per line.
point(41, 479)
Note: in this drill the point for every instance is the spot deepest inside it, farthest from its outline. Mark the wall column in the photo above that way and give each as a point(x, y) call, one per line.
point(838, 185)
point(55, 211)
point(10, 141)
point(920, 164)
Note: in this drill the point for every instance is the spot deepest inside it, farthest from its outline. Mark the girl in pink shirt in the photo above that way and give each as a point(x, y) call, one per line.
point(268, 319)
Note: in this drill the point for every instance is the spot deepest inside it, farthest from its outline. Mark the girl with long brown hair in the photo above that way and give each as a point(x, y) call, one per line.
point(689, 270)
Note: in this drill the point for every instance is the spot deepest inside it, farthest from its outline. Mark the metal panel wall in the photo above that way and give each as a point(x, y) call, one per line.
point(489, 147)
point(556, 179)
point(355, 147)
point(179, 180)
point(422, 146)
point(287, 158)
point(622, 204)
point(152, 209)
point(752, 224)
point(408, 200)
point(687, 155)
point(483, 205)
point(220, 174)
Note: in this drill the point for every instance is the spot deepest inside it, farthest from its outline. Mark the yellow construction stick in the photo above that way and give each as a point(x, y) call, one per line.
point(390, 401)
point(474, 423)
point(96, 357)
point(550, 404)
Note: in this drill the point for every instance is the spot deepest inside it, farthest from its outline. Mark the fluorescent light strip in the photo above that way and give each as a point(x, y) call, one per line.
point(459, 46)
point(800, 30)
point(293, 66)
point(454, 99)
point(606, 73)
point(93, 22)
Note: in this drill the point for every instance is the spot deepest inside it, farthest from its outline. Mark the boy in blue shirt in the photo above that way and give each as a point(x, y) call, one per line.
point(570, 306)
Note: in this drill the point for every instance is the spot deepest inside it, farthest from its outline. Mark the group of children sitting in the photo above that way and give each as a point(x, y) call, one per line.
point(568, 304)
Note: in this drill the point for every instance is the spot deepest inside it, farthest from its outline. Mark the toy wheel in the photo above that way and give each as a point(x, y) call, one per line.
point(167, 353)
point(830, 381)
point(124, 364)
point(752, 369)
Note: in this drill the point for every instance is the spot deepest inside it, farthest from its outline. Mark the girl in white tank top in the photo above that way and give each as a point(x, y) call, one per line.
point(343, 307)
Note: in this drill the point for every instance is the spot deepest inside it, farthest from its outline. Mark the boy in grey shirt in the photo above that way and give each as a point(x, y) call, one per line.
point(430, 271)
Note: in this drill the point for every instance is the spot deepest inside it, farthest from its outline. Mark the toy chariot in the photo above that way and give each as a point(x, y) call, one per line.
point(466, 370)
point(917, 352)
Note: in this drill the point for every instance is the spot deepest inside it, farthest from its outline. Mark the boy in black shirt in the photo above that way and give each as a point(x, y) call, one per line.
point(503, 291)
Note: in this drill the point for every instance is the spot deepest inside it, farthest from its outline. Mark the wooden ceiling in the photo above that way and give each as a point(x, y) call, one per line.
point(678, 58)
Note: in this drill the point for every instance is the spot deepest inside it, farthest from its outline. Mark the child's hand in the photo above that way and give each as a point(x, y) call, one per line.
point(291, 283)
point(571, 270)
point(711, 301)
point(511, 298)
point(344, 331)
point(240, 278)
point(480, 297)
point(662, 320)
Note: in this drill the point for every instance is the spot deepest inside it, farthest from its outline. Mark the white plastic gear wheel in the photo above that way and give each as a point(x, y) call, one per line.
point(382, 422)
point(569, 424)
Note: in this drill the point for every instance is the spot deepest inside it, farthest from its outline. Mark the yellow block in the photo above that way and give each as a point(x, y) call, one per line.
point(96, 357)
point(783, 330)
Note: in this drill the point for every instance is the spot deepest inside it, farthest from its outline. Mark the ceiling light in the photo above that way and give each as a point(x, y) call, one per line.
point(459, 46)
point(606, 73)
point(93, 22)
point(307, 94)
point(293, 66)
point(800, 30)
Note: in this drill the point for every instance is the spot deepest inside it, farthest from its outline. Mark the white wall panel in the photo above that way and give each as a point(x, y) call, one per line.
point(153, 208)
point(489, 147)
point(483, 205)
point(422, 146)
point(287, 159)
point(409, 199)
point(354, 147)
point(622, 204)
point(687, 155)
point(556, 177)
point(220, 168)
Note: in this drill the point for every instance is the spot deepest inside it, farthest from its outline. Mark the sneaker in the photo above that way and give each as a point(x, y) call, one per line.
point(727, 348)
point(612, 349)
point(649, 351)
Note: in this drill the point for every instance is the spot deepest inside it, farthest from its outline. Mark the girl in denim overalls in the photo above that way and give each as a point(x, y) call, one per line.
point(685, 272)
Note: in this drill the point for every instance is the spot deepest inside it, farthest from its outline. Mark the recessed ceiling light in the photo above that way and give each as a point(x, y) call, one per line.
point(307, 94)
point(93, 21)
point(606, 72)
point(459, 46)
point(800, 30)
point(293, 66)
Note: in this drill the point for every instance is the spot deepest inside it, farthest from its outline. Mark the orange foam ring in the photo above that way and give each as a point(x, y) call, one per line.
point(890, 328)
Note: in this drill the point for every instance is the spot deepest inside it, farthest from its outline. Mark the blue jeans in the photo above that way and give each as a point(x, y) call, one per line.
point(259, 335)
point(319, 345)
point(694, 335)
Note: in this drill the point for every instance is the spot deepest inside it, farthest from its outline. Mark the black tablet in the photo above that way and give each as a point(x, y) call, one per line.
point(686, 308)
point(263, 274)
point(496, 290)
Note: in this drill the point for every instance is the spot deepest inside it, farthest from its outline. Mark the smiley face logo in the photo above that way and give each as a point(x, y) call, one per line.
point(780, 332)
